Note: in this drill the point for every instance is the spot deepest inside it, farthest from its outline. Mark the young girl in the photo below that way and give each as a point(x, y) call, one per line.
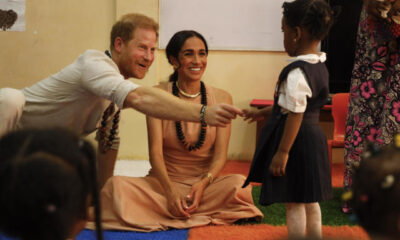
point(291, 159)
point(47, 182)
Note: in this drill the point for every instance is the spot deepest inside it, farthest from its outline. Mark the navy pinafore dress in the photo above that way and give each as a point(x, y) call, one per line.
point(308, 177)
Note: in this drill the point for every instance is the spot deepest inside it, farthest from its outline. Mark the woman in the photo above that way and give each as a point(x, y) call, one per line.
point(182, 189)
point(374, 106)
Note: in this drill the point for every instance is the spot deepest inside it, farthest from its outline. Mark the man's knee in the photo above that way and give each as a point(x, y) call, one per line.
point(12, 98)
point(12, 102)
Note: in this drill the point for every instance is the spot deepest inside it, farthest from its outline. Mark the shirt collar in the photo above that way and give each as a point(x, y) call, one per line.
point(310, 58)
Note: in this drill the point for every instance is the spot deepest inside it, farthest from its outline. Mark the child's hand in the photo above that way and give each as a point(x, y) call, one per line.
point(252, 114)
point(278, 164)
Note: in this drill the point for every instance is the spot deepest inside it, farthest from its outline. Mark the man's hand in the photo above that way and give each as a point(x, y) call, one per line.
point(221, 114)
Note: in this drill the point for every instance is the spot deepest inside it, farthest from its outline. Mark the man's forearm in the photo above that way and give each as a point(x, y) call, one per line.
point(160, 104)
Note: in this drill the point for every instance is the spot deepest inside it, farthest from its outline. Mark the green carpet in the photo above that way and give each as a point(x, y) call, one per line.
point(275, 214)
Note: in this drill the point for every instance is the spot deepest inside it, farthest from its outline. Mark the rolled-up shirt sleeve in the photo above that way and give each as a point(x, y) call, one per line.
point(100, 75)
point(293, 92)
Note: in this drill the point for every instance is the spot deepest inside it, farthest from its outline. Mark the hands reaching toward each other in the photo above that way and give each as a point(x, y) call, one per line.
point(252, 115)
point(278, 164)
point(221, 114)
point(256, 114)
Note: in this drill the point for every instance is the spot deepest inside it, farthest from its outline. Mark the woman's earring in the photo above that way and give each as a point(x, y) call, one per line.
point(294, 40)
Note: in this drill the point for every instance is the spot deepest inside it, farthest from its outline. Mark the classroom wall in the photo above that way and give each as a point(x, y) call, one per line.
point(58, 31)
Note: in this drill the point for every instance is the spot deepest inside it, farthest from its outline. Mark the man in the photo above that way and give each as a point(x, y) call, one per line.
point(87, 95)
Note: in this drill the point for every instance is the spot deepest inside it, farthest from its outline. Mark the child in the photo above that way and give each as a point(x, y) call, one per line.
point(291, 159)
point(376, 191)
point(47, 182)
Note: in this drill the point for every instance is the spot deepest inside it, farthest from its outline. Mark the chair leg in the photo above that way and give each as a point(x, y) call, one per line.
point(330, 154)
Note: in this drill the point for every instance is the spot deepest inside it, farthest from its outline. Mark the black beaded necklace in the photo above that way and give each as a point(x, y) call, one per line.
point(107, 142)
point(178, 125)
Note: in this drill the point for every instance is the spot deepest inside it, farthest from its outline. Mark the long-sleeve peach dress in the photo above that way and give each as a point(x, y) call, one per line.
point(139, 203)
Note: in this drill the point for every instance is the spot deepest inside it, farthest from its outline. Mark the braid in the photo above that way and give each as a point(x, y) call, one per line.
point(313, 15)
point(36, 190)
point(174, 76)
point(49, 177)
point(376, 190)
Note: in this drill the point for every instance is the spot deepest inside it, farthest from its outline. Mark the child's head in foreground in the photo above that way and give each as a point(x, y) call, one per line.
point(376, 191)
point(47, 182)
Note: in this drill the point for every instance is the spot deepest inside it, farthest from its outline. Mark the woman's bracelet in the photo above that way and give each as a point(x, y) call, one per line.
point(203, 115)
point(210, 177)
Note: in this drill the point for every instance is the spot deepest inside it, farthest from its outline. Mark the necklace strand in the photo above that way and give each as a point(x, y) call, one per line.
point(178, 125)
point(107, 141)
point(186, 94)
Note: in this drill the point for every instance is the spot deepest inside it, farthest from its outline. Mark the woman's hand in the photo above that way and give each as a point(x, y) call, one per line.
point(278, 164)
point(176, 204)
point(378, 8)
point(395, 12)
point(194, 197)
point(221, 114)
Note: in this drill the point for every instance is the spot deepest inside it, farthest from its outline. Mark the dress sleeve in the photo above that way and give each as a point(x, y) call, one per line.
point(293, 92)
point(100, 75)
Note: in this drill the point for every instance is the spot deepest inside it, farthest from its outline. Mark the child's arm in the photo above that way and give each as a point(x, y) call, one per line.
point(292, 126)
point(256, 114)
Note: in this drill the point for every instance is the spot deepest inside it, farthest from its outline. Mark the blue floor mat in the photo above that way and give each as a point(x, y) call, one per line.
point(125, 235)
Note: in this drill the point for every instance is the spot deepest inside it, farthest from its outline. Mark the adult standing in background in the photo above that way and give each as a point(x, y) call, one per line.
point(88, 94)
point(374, 105)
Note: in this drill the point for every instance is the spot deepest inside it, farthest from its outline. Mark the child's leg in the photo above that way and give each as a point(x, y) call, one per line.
point(314, 222)
point(296, 220)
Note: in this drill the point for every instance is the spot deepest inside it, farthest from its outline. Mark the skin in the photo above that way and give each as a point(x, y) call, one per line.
point(136, 56)
point(375, 8)
point(301, 218)
point(297, 42)
point(192, 63)
point(133, 58)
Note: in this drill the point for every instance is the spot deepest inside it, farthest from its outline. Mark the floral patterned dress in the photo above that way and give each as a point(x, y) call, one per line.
point(374, 105)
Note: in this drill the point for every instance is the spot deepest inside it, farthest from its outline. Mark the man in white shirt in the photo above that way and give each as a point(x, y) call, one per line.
point(87, 95)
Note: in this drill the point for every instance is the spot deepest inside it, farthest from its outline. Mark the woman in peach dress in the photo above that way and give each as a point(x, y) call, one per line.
point(183, 189)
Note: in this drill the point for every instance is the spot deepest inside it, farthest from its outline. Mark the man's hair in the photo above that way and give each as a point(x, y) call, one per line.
point(128, 23)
